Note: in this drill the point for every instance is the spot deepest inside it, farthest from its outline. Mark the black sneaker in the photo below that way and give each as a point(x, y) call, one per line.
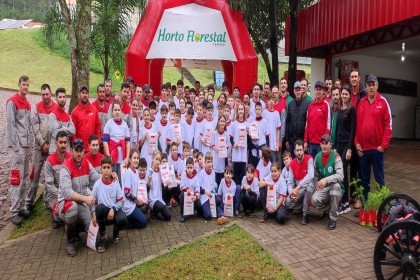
point(116, 235)
point(77, 238)
point(30, 207)
point(71, 249)
point(25, 213)
point(182, 219)
point(55, 224)
point(101, 246)
point(341, 208)
point(16, 220)
point(290, 211)
point(238, 214)
point(325, 214)
point(304, 220)
point(332, 224)
point(152, 217)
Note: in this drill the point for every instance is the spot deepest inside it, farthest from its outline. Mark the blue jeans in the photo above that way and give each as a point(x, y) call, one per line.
point(314, 149)
point(137, 218)
point(374, 159)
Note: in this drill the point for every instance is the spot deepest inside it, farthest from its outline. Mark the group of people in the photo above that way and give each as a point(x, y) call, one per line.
point(127, 158)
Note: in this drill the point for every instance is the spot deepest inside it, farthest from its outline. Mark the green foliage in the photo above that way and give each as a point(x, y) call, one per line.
point(230, 254)
point(24, 9)
point(359, 191)
point(376, 198)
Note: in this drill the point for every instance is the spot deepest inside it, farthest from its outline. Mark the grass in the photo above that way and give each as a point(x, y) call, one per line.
point(23, 51)
point(39, 220)
point(21, 54)
point(230, 254)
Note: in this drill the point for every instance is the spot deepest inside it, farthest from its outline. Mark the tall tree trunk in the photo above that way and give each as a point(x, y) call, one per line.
point(262, 51)
point(294, 5)
point(274, 77)
point(106, 61)
point(78, 32)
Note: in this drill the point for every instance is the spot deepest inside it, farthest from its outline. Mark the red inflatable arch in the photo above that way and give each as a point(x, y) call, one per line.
point(144, 70)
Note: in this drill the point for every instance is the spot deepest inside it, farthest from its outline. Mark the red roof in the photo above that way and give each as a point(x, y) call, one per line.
point(329, 21)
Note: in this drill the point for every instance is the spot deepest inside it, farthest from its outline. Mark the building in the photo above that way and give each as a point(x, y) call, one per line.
point(379, 37)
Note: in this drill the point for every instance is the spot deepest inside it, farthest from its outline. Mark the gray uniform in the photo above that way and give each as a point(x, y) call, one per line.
point(52, 171)
point(40, 124)
point(306, 183)
point(19, 140)
point(60, 121)
point(329, 197)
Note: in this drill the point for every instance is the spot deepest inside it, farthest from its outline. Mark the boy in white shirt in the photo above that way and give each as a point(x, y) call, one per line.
point(274, 125)
point(190, 186)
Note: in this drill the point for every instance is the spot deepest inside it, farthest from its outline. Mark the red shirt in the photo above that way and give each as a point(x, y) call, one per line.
point(95, 160)
point(373, 123)
point(86, 122)
point(281, 105)
point(100, 109)
point(318, 121)
point(300, 170)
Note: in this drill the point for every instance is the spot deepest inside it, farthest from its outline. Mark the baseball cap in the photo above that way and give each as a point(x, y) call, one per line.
point(298, 84)
point(326, 138)
point(319, 84)
point(372, 78)
point(78, 143)
point(146, 88)
point(129, 79)
point(83, 88)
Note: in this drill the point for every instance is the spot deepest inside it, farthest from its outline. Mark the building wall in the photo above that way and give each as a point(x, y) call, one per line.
point(402, 107)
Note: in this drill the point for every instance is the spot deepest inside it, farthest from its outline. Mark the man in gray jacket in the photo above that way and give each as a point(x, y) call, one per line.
point(328, 181)
point(40, 124)
point(19, 140)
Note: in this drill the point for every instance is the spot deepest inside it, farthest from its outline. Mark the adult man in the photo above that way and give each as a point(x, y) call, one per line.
point(328, 88)
point(94, 156)
point(301, 174)
point(40, 124)
point(85, 118)
point(256, 90)
point(101, 105)
point(267, 91)
point(318, 121)
point(305, 90)
point(147, 96)
point(179, 92)
point(59, 119)
point(74, 202)
point(373, 133)
point(295, 119)
point(19, 140)
point(335, 105)
point(328, 181)
point(338, 83)
point(187, 93)
point(125, 105)
point(52, 175)
point(284, 94)
point(357, 90)
point(109, 96)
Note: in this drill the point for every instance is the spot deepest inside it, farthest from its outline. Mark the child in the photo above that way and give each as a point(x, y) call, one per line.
point(189, 185)
point(230, 101)
point(263, 170)
point(207, 183)
point(281, 192)
point(157, 205)
point(163, 128)
point(145, 181)
point(239, 150)
point(199, 162)
point(287, 158)
point(182, 109)
point(186, 153)
point(249, 117)
point(153, 110)
point(131, 181)
point(250, 191)
point(171, 138)
point(198, 126)
point(274, 125)
point(178, 165)
point(172, 108)
point(209, 125)
point(109, 199)
point(188, 125)
point(220, 135)
point(257, 144)
point(164, 97)
point(144, 137)
point(228, 187)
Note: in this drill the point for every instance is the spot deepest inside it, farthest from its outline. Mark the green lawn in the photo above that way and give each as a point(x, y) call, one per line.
point(231, 254)
point(23, 51)
point(39, 220)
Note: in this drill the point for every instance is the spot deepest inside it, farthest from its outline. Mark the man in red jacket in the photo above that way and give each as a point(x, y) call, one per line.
point(373, 133)
point(85, 118)
point(318, 121)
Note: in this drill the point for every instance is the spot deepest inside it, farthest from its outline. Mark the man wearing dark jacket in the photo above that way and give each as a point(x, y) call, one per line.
point(357, 89)
point(295, 118)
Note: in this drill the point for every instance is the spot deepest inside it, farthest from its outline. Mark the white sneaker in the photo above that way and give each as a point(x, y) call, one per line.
point(347, 208)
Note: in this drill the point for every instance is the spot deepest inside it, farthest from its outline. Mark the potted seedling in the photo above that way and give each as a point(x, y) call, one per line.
point(382, 193)
point(359, 195)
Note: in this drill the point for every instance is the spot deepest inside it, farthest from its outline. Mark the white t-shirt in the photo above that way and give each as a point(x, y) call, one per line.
point(117, 133)
point(155, 191)
point(207, 181)
point(263, 169)
point(219, 163)
point(144, 153)
point(239, 154)
point(274, 124)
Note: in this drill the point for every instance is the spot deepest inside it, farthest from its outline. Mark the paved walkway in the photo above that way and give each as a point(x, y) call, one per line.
point(311, 252)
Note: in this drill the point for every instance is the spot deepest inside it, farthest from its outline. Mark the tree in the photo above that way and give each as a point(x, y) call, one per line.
point(111, 32)
point(265, 21)
point(293, 4)
point(77, 23)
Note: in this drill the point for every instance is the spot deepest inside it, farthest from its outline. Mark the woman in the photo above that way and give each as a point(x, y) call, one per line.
point(346, 128)
point(136, 121)
point(116, 139)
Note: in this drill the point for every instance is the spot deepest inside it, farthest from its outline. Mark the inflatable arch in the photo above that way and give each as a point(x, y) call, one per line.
point(207, 30)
